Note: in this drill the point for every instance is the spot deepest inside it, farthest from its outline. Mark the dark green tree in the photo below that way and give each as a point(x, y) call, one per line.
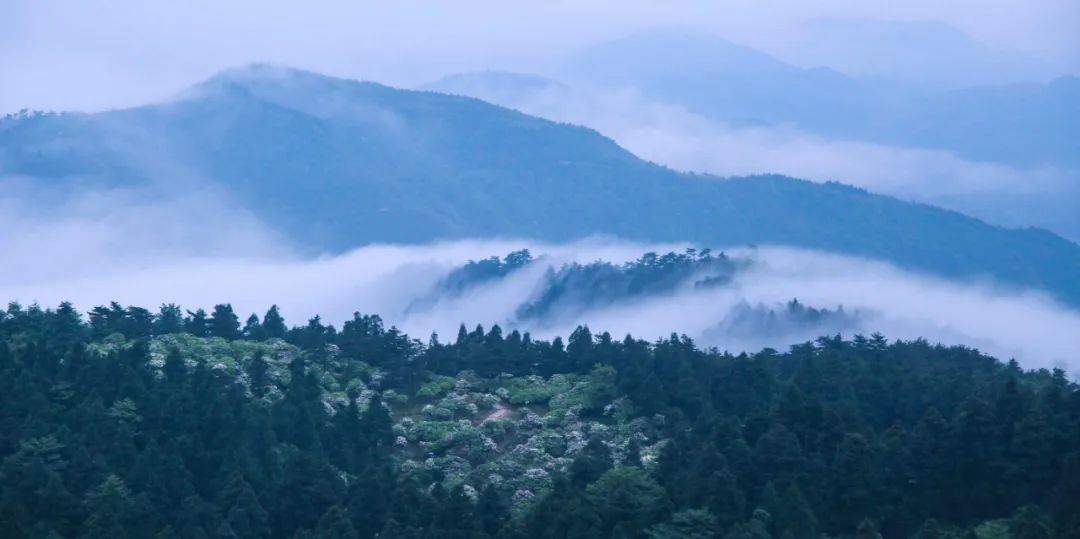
point(273, 324)
point(197, 323)
point(224, 323)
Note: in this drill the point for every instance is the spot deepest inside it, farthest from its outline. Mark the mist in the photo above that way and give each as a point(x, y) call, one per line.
point(146, 255)
point(124, 53)
point(65, 234)
point(896, 303)
point(668, 134)
point(181, 240)
point(684, 268)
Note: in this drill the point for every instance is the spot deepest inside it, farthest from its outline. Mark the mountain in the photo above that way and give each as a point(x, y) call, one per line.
point(1022, 124)
point(334, 164)
point(1033, 194)
point(722, 80)
point(927, 53)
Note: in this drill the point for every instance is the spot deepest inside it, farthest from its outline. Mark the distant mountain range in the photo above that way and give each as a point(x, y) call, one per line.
point(1022, 124)
point(927, 53)
point(333, 164)
point(1013, 150)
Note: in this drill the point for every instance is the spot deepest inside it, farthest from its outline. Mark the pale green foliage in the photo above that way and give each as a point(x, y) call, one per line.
point(436, 387)
point(531, 390)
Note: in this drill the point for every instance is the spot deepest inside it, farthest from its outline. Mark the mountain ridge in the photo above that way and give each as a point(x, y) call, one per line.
point(725, 81)
point(336, 164)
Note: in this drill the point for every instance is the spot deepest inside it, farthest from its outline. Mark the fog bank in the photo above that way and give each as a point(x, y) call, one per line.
point(387, 279)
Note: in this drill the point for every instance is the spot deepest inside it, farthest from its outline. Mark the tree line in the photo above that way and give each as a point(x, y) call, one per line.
point(860, 437)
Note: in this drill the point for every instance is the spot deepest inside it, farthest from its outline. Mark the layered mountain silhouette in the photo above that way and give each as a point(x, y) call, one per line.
point(334, 163)
point(1021, 124)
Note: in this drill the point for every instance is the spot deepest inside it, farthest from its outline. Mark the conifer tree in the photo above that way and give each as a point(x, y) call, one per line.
point(273, 324)
point(224, 323)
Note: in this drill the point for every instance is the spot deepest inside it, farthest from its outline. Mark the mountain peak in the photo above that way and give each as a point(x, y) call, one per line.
point(271, 82)
point(258, 72)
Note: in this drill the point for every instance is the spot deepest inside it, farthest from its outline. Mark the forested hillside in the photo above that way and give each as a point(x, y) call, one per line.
point(331, 164)
point(132, 423)
point(569, 289)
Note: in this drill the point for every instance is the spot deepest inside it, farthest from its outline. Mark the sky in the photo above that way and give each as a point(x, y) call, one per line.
point(92, 54)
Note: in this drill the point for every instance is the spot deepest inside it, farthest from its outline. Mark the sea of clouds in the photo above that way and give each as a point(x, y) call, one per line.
point(148, 253)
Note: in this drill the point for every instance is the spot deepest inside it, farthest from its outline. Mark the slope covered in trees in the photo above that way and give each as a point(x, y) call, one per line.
point(130, 423)
point(333, 164)
point(566, 290)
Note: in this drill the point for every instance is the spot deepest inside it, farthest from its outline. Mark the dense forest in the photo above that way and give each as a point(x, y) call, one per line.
point(127, 422)
point(565, 292)
point(758, 323)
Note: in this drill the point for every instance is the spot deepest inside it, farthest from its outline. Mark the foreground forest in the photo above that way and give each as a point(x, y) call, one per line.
point(133, 423)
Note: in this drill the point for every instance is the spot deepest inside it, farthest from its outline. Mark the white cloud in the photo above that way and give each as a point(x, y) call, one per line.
point(49, 236)
point(92, 263)
point(675, 137)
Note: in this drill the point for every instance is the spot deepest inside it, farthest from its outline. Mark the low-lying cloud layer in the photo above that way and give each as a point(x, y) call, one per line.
point(66, 234)
point(91, 264)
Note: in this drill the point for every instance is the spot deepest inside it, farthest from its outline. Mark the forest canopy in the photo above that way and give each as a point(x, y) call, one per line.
point(131, 422)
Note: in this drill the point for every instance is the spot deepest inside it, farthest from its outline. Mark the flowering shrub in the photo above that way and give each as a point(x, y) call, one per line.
point(535, 389)
point(522, 497)
point(486, 401)
point(498, 428)
point(536, 474)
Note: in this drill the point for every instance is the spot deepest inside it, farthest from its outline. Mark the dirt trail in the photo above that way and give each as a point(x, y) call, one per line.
point(502, 411)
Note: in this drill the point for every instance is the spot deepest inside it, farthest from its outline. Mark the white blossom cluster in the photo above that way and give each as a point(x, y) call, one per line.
point(515, 432)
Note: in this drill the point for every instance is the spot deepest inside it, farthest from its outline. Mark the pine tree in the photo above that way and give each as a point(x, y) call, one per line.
point(491, 510)
point(335, 524)
point(138, 322)
point(594, 460)
point(253, 330)
point(107, 506)
point(258, 372)
point(455, 519)
point(867, 530)
point(242, 509)
point(688, 524)
point(273, 324)
point(175, 368)
point(197, 323)
point(633, 453)
point(170, 319)
point(224, 323)
point(628, 498)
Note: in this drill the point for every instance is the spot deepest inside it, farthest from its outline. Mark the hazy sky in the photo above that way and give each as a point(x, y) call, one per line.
point(88, 54)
